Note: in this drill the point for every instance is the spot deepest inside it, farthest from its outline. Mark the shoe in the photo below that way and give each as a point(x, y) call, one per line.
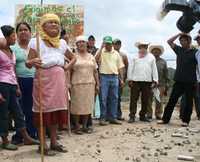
point(131, 120)
point(115, 121)
point(184, 124)
point(32, 142)
point(103, 122)
point(47, 151)
point(158, 118)
point(59, 148)
point(144, 119)
point(78, 131)
point(87, 130)
point(149, 118)
point(15, 141)
point(120, 118)
point(9, 146)
point(161, 122)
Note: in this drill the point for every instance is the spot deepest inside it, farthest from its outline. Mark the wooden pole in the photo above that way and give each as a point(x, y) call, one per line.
point(42, 136)
point(40, 101)
point(68, 112)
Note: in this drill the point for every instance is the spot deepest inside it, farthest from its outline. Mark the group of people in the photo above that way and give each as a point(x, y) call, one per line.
point(45, 73)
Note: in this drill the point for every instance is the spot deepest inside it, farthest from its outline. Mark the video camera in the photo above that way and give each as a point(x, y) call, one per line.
point(190, 9)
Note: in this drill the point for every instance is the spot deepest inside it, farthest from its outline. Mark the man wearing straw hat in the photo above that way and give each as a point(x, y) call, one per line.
point(157, 50)
point(142, 72)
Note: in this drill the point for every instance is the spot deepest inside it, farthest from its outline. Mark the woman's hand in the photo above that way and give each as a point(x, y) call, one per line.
point(2, 99)
point(130, 83)
point(97, 89)
point(18, 92)
point(36, 62)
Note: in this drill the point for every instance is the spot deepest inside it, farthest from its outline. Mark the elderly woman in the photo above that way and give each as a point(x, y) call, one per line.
point(50, 64)
point(9, 90)
point(84, 79)
point(25, 78)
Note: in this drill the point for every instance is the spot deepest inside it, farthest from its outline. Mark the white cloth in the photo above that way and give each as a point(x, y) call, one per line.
point(143, 69)
point(198, 64)
point(50, 56)
point(156, 94)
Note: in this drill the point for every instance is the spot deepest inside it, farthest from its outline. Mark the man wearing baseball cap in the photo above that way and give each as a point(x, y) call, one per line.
point(111, 73)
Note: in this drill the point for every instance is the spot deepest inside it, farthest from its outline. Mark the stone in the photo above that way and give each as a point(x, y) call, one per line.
point(137, 159)
point(127, 158)
point(156, 135)
point(98, 151)
point(149, 154)
point(97, 145)
point(186, 158)
point(143, 155)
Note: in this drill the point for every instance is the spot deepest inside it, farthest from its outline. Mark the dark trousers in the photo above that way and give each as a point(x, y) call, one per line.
point(26, 103)
point(145, 89)
point(8, 91)
point(180, 88)
point(196, 102)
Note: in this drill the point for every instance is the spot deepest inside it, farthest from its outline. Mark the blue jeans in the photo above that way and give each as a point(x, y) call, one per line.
point(109, 96)
point(26, 103)
point(8, 91)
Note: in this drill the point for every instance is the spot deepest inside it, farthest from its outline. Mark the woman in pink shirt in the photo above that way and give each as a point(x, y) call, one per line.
point(9, 90)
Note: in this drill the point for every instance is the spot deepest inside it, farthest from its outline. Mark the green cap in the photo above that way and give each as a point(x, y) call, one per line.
point(107, 39)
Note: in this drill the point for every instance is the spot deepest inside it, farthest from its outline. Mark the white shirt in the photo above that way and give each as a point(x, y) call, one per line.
point(142, 69)
point(198, 65)
point(50, 56)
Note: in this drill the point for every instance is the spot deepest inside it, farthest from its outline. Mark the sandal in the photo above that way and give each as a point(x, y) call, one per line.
point(58, 148)
point(47, 151)
point(78, 131)
point(32, 142)
point(87, 130)
point(9, 146)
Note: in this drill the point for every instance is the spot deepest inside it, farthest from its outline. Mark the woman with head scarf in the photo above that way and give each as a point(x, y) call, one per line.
point(9, 90)
point(51, 64)
point(84, 79)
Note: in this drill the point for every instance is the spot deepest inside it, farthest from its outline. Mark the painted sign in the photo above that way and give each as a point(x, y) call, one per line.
point(72, 17)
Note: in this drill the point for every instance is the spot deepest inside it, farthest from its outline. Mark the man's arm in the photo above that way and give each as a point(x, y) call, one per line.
point(98, 54)
point(172, 39)
point(125, 60)
point(154, 71)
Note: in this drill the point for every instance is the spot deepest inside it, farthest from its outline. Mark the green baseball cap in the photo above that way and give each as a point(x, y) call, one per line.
point(107, 39)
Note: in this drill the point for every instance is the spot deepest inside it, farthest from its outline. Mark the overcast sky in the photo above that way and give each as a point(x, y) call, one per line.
point(128, 20)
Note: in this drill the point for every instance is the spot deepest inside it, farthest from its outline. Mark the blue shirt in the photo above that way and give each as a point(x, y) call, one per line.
point(21, 57)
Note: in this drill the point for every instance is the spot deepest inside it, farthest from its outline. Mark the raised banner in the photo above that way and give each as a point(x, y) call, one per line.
point(72, 17)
